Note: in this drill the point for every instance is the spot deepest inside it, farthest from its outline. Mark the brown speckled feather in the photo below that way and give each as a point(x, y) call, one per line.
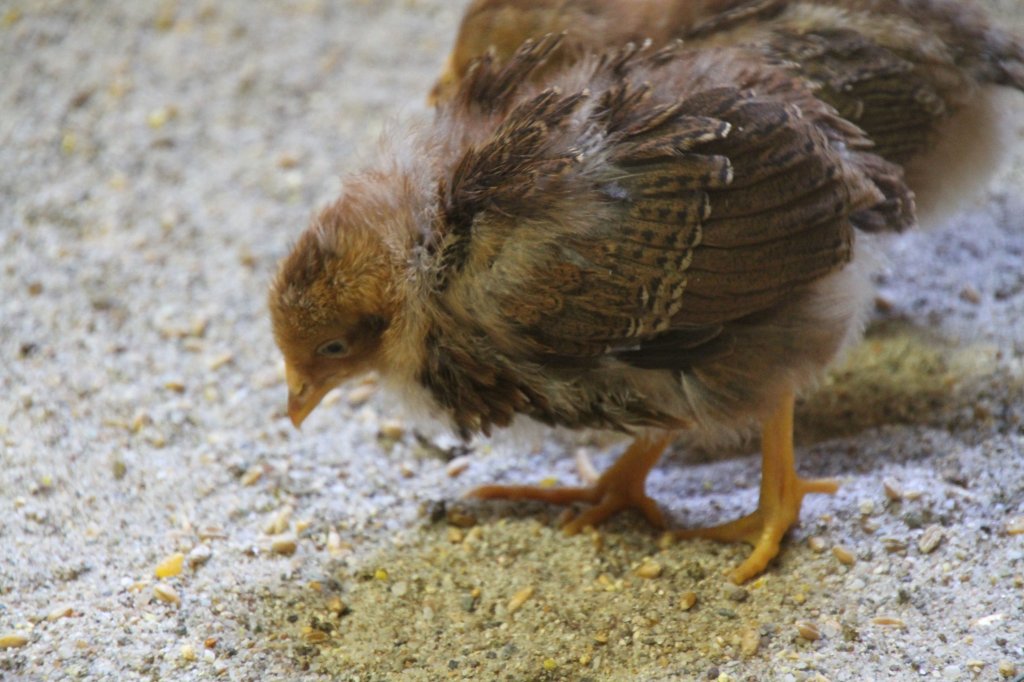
point(896, 68)
point(592, 225)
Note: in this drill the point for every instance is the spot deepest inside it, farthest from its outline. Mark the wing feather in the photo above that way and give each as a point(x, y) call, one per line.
point(670, 217)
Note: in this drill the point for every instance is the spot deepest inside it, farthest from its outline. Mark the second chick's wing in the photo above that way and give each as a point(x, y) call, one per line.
point(613, 253)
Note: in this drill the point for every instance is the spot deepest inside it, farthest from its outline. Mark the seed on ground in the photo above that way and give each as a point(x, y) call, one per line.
point(519, 598)
point(737, 593)
point(199, 555)
point(220, 360)
point(460, 519)
point(280, 522)
point(252, 475)
point(892, 489)
point(687, 600)
point(931, 538)
point(894, 545)
point(284, 545)
point(166, 593)
point(391, 430)
point(13, 639)
point(360, 394)
point(750, 642)
point(816, 543)
point(808, 630)
point(1015, 525)
point(314, 636)
point(889, 621)
point(62, 611)
point(458, 465)
point(170, 566)
point(844, 555)
point(648, 569)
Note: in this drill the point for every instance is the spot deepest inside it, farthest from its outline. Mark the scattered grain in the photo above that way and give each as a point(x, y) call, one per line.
point(166, 593)
point(62, 611)
point(334, 545)
point(457, 466)
point(894, 545)
point(1015, 525)
point(219, 361)
point(687, 600)
point(279, 522)
point(13, 639)
point(892, 489)
point(314, 636)
point(931, 538)
point(750, 642)
point(252, 475)
point(360, 394)
point(519, 598)
point(336, 606)
point(889, 621)
point(648, 569)
point(869, 525)
point(199, 555)
point(284, 545)
point(816, 543)
point(459, 518)
point(808, 630)
point(1007, 668)
point(844, 555)
point(188, 653)
point(391, 429)
point(159, 117)
point(970, 294)
point(737, 593)
point(175, 385)
point(170, 566)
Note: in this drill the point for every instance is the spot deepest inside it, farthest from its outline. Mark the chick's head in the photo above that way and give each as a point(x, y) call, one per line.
point(330, 304)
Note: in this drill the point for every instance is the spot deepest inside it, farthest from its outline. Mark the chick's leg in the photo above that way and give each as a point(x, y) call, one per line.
point(782, 493)
point(620, 487)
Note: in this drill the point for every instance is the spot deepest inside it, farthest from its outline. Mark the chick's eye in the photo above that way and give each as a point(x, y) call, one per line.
point(333, 349)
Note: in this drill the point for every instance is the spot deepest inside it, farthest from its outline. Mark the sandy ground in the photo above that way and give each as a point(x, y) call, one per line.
point(155, 162)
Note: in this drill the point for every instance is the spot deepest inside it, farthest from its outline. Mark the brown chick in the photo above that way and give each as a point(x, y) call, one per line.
point(653, 243)
point(913, 74)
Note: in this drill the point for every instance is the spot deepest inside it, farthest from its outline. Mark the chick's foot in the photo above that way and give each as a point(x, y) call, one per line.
point(620, 487)
point(782, 493)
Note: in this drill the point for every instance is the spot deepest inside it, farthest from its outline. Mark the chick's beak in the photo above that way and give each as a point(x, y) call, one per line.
point(303, 395)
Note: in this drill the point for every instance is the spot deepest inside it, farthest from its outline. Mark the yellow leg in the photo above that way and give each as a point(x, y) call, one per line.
point(782, 493)
point(620, 487)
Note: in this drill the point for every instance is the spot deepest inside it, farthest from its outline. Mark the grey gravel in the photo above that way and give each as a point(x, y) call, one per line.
point(156, 159)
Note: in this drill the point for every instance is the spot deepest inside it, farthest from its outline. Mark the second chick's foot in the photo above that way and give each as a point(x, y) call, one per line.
point(621, 487)
point(782, 494)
